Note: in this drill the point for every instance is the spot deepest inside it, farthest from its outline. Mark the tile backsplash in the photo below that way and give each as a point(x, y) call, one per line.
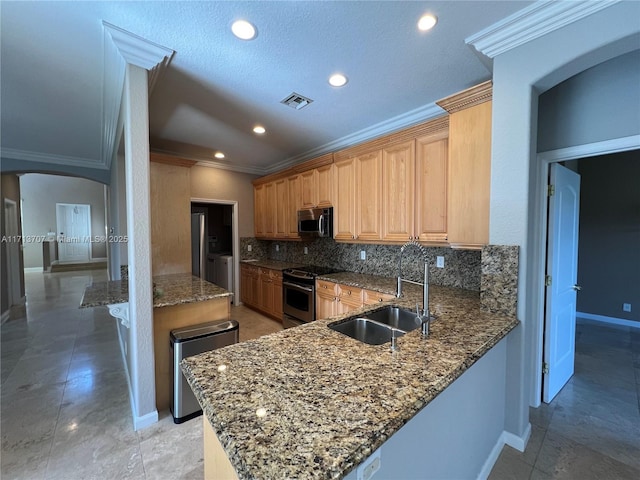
point(461, 267)
point(493, 272)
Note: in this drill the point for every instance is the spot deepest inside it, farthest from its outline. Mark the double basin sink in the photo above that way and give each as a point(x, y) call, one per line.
point(378, 327)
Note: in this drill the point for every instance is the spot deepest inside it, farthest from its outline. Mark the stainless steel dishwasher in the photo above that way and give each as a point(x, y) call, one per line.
point(189, 341)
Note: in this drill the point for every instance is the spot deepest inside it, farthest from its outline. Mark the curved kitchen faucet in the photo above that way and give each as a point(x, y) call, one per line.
point(423, 316)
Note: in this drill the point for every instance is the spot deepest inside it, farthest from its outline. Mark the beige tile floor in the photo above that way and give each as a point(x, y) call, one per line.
point(64, 405)
point(591, 430)
point(65, 410)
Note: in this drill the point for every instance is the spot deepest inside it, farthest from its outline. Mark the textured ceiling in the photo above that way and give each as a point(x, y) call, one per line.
point(217, 87)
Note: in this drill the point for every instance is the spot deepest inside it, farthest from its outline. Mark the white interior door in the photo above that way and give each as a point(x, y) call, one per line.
point(74, 232)
point(562, 268)
point(12, 250)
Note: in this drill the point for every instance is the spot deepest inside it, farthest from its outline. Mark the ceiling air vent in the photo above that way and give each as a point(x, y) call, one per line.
point(297, 101)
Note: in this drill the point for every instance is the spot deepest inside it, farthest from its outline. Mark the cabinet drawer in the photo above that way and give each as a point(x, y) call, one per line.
point(350, 292)
point(371, 297)
point(326, 287)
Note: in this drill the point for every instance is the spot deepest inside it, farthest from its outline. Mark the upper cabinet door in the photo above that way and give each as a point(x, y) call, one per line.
point(309, 188)
point(293, 183)
point(282, 208)
point(368, 196)
point(398, 179)
point(344, 195)
point(325, 185)
point(432, 154)
point(270, 211)
point(469, 176)
point(258, 210)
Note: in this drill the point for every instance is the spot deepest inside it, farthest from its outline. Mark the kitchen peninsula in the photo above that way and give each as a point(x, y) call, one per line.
point(179, 300)
point(309, 402)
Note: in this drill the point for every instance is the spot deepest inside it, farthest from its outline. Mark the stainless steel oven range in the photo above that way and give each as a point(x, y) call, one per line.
point(299, 294)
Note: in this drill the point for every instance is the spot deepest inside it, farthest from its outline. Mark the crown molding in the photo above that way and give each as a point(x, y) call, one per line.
point(28, 156)
point(532, 22)
point(233, 168)
point(468, 98)
point(137, 50)
point(407, 119)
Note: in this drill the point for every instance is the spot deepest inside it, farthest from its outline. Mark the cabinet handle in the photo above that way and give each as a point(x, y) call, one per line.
point(324, 286)
point(348, 292)
point(380, 299)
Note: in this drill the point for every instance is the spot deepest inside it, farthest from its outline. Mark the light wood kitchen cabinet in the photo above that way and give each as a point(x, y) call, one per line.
point(335, 299)
point(398, 179)
point(469, 166)
point(368, 188)
point(248, 284)
point(261, 289)
point(349, 298)
point(344, 211)
point(294, 204)
point(358, 198)
point(432, 155)
point(258, 210)
point(326, 299)
point(270, 211)
point(282, 208)
point(371, 297)
point(316, 184)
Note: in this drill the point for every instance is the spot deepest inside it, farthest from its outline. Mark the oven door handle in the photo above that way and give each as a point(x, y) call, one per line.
point(297, 287)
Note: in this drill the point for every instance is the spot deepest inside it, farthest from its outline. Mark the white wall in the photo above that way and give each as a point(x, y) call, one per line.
point(40, 193)
point(519, 76)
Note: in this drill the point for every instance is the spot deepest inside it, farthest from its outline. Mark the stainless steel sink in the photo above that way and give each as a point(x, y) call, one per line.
point(396, 317)
point(366, 330)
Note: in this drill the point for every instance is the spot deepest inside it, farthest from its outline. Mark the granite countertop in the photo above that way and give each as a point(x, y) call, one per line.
point(329, 401)
point(272, 264)
point(174, 289)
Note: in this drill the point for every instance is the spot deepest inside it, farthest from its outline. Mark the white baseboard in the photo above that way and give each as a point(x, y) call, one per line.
point(32, 269)
point(505, 438)
point(145, 420)
point(610, 320)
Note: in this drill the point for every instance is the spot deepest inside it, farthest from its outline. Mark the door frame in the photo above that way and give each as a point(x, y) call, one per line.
point(539, 239)
point(12, 228)
point(90, 234)
point(235, 241)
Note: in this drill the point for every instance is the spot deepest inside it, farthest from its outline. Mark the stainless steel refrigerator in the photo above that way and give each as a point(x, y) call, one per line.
point(198, 245)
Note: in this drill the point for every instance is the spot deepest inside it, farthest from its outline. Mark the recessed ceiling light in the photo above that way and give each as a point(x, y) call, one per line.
point(219, 155)
point(259, 129)
point(338, 80)
point(243, 30)
point(427, 22)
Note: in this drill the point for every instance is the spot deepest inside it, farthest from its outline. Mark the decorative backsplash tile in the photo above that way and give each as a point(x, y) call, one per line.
point(462, 267)
point(499, 279)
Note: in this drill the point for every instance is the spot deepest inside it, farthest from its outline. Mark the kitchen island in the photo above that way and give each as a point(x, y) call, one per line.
point(179, 300)
point(309, 402)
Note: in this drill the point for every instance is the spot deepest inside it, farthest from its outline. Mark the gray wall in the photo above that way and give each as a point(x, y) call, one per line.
point(40, 193)
point(609, 242)
point(598, 104)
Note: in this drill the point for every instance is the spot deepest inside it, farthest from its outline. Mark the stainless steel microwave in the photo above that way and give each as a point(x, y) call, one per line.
point(315, 222)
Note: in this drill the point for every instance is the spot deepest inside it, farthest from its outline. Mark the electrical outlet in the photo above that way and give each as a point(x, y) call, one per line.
point(363, 255)
point(440, 262)
point(626, 307)
point(370, 466)
point(306, 251)
point(277, 247)
point(248, 248)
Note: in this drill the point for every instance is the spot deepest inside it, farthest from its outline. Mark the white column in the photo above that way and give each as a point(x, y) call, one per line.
point(141, 355)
